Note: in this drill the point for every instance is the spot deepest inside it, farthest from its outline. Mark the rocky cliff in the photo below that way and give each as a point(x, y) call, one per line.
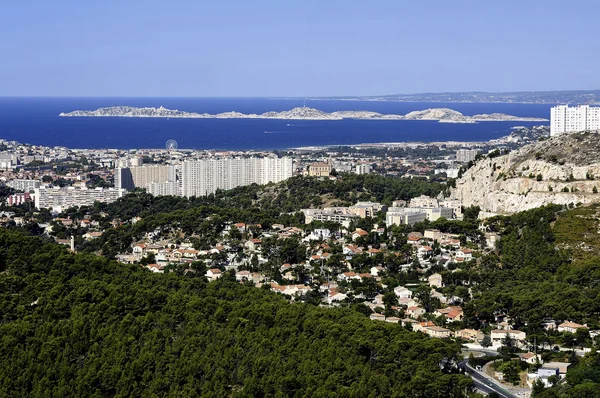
point(563, 169)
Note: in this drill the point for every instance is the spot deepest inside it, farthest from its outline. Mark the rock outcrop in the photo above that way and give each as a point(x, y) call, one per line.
point(562, 170)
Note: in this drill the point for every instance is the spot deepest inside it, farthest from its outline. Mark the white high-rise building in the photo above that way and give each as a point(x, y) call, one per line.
point(203, 177)
point(63, 198)
point(564, 119)
point(140, 177)
point(24, 185)
point(466, 155)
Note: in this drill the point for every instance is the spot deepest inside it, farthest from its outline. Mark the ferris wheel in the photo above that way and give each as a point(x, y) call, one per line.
point(171, 145)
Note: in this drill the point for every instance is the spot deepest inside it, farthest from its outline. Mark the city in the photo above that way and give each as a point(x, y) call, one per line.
point(299, 199)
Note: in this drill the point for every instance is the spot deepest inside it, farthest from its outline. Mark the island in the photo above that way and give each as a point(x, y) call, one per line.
point(443, 115)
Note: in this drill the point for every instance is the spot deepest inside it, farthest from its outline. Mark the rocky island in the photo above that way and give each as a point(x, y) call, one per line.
point(443, 115)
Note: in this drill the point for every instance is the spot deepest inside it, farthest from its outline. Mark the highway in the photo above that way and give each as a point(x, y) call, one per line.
point(485, 383)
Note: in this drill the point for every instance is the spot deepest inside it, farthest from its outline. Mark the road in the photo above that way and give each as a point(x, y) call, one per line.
point(485, 383)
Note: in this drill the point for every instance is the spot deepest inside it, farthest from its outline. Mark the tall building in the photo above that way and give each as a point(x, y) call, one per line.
point(171, 188)
point(363, 168)
point(24, 185)
point(466, 155)
point(140, 177)
point(63, 198)
point(564, 119)
point(205, 176)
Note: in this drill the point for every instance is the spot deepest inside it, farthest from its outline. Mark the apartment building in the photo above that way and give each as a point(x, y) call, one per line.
point(141, 176)
point(24, 185)
point(62, 198)
point(466, 155)
point(564, 119)
point(203, 177)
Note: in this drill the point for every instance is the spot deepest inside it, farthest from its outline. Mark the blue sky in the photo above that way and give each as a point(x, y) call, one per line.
point(295, 48)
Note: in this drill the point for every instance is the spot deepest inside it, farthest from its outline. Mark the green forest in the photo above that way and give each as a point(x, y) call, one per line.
point(82, 325)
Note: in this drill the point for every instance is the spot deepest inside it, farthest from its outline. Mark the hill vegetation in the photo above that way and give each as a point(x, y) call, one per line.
point(81, 325)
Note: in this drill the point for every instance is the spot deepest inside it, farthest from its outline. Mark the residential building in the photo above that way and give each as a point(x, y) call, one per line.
point(435, 280)
point(165, 188)
point(203, 177)
point(466, 155)
point(366, 209)
point(340, 215)
point(319, 170)
point(571, 327)
point(141, 176)
point(62, 198)
point(362, 169)
point(403, 216)
point(24, 185)
point(564, 119)
point(499, 336)
point(19, 198)
point(423, 201)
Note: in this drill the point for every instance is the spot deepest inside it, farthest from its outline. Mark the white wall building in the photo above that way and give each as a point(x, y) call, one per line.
point(62, 198)
point(24, 185)
point(362, 169)
point(424, 201)
point(171, 188)
point(203, 177)
point(140, 177)
point(564, 119)
point(466, 155)
point(403, 216)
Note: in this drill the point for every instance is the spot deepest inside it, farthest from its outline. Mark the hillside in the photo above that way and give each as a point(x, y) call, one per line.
point(80, 325)
point(561, 170)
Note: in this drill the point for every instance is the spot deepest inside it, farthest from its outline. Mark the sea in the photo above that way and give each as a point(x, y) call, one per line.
point(36, 121)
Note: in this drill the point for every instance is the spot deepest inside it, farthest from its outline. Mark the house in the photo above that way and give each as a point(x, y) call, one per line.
point(351, 250)
point(213, 274)
point(347, 276)
point(469, 334)
point(436, 331)
point(407, 321)
point(432, 234)
point(498, 336)
point(373, 252)
point(392, 319)
point(424, 251)
point(546, 371)
point(359, 233)
point(375, 271)
point(491, 240)
point(452, 313)
point(334, 296)
point(435, 280)
point(415, 311)
point(420, 326)
point(464, 254)
point(549, 324)
point(571, 327)
point(253, 244)
point(155, 268)
point(403, 292)
point(92, 235)
point(530, 358)
point(377, 317)
point(242, 276)
point(140, 249)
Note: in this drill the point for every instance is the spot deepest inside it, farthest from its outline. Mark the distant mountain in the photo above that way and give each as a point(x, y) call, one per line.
point(529, 97)
point(300, 113)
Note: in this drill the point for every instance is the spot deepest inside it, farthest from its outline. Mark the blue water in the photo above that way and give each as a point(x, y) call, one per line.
point(36, 121)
